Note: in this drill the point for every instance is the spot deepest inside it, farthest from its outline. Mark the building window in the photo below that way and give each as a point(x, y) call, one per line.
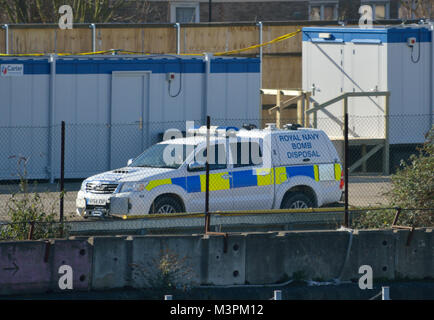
point(184, 12)
point(380, 9)
point(323, 10)
point(415, 10)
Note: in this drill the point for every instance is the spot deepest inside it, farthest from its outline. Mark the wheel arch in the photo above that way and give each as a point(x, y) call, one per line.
point(305, 189)
point(172, 195)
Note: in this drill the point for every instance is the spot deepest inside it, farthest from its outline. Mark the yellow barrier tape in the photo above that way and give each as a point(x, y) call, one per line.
point(278, 39)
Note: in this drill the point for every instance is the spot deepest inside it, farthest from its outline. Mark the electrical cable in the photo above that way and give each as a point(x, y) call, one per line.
point(412, 49)
point(180, 83)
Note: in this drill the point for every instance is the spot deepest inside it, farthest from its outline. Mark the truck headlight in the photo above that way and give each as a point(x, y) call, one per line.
point(133, 186)
point(83, 186)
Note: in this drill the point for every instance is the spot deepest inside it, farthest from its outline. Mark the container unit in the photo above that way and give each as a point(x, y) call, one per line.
point(395, 59)
point(114, 107)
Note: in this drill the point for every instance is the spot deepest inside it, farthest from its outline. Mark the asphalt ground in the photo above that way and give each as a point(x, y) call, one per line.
point(363, 191)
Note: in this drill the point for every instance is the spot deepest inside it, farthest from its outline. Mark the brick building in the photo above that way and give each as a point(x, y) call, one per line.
point(191, 11)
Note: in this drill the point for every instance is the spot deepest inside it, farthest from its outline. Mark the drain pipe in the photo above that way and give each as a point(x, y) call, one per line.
point(178, 38)
point(51, 119)
point(92, 26)
point(6, 27)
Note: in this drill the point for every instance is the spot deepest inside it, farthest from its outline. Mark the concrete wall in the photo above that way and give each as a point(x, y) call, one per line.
point(100, 263)
point(33, 266)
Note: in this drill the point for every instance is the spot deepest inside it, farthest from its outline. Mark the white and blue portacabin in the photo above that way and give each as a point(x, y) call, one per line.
point(114, 106)
point(398, 59)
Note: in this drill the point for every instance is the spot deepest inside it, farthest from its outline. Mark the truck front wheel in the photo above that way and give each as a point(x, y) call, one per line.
point(166, 204)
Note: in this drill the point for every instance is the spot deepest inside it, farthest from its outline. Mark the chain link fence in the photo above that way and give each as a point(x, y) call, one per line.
point(242, 188)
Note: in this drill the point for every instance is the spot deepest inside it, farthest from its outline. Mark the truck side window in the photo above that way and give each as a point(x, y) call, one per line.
point(217, 157)
point(247, 154)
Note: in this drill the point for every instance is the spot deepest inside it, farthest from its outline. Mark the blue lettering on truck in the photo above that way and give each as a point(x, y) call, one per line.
point(301, 145)
point(303, 154)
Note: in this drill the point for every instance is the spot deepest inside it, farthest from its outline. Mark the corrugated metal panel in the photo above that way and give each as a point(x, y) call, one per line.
point(111, 111)
point(366, 60)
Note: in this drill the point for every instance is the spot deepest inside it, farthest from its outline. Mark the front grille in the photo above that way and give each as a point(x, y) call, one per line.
point(94, 187)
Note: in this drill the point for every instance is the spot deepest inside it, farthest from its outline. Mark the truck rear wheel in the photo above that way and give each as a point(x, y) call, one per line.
point(166, 204)
point(297, 200)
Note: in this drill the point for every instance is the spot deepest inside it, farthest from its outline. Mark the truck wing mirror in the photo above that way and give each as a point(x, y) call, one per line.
point(196, 166)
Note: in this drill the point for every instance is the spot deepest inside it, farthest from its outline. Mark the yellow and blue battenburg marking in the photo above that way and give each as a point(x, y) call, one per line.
point(250, 178)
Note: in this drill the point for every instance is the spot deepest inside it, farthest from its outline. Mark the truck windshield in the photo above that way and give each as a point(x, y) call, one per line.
point(163, 156)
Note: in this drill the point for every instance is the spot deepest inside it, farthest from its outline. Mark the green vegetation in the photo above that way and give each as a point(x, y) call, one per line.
point(28, 216)
point(412, 188)
point(166, 275)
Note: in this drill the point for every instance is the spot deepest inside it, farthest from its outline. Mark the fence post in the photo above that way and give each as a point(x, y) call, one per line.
point(278, 109)
point(306, 107)
point(52, 61)
point(6, 27)
point(259, 24)
point(31, 230)
point(300, 109)
point(207, 218)
point(346, 157)
point(92, 26)
point(178, 38)
point(62, 175)
point(386, 156)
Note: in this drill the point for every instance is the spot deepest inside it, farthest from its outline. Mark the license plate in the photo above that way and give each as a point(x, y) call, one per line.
point(96, 202)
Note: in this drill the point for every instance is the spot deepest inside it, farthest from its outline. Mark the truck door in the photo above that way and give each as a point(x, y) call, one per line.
point(252, 182)
point(220, 195)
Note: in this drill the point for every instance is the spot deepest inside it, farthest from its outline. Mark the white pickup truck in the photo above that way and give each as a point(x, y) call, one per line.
point(293, 168)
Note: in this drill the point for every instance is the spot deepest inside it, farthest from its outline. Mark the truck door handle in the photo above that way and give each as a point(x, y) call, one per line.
point(263, 172)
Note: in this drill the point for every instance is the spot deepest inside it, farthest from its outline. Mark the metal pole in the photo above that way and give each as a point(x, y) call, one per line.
point(31, 230)
point(386, 165)
point(178, 38)
point(209, 11)
point(207, 218)
point(346, 156)
point(207, 58)
point(6, 27)
point(277, 295)
point(260, 50)
point(51, 116)
point(62, 174)
point(278, 109)
point(92, 26)
point(385, 293)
